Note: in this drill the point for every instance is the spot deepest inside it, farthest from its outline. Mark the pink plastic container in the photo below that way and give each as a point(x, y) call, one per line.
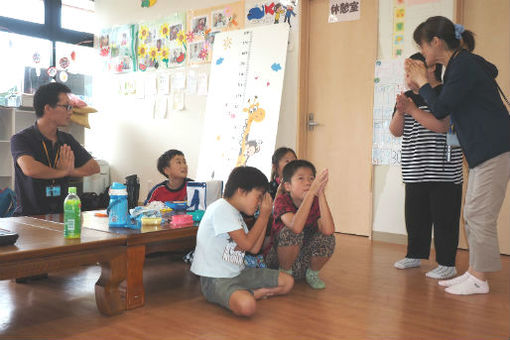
point(180, 221)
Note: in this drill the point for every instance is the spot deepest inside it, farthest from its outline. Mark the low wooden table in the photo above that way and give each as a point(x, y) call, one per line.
point(40, 250)
point(138, 244)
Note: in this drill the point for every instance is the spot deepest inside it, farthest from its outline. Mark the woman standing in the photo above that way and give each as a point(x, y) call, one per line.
point(470, 95)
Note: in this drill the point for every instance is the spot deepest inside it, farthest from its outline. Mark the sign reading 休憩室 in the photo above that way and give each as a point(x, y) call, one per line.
point(344, 10)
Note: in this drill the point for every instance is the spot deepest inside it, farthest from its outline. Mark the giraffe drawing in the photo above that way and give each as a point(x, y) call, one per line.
point(255, 114)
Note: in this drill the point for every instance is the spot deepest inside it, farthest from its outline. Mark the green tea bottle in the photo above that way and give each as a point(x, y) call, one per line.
point(72, 214)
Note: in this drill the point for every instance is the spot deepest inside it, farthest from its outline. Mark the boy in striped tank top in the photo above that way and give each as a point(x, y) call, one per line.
point(432, 173)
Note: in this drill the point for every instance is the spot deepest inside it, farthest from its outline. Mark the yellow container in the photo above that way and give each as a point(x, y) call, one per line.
point(151, 221)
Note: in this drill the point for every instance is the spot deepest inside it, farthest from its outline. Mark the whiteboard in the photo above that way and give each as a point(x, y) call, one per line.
point(243, 105)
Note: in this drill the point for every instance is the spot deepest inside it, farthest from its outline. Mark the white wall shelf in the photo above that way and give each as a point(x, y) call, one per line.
point(13, 120)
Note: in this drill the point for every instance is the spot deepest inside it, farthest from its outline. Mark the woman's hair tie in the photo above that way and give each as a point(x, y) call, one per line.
point(459, 29)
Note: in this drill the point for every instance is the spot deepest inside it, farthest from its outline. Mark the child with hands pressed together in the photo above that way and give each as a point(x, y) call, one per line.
point(302, 239)
point(432, 174)
point(281, 157)
point(223, 238)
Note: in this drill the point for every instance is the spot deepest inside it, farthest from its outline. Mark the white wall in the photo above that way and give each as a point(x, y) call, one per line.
point(123, 135)
point(388, 187)
point(126, 137)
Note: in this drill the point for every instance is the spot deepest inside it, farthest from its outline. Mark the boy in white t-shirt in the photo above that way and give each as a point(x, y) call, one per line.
point(223, 238)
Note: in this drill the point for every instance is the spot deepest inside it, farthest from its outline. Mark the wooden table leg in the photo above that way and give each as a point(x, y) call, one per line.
point(135, 294)
point(110, 299)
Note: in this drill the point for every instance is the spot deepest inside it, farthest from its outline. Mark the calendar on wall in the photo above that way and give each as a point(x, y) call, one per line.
point(243, 105)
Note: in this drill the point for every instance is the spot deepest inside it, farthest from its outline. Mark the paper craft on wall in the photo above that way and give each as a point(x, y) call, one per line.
point(227, 17)
point(204, 24)
point(198, 36)
point(388, 82)
point(161, 44)
point(148, 3)
point(270, 12)
point(399, 13)
point(243, 105)
point(117, 47)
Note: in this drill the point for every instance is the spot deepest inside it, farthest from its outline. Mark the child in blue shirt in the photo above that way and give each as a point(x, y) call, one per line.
point(223, 238)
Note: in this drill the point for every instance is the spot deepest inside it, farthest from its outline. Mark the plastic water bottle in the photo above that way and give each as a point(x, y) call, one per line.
point(72, 214)
point(118, 207)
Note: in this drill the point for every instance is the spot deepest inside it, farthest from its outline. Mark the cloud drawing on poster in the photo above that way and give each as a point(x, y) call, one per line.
point(219, 61)
point(276, 67)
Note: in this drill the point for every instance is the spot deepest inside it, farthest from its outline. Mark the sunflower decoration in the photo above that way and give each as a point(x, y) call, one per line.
point(142, 51)
point(164, 53)
point(153, 53)
point(164, 31)
point(181, 38)
point(143, 33)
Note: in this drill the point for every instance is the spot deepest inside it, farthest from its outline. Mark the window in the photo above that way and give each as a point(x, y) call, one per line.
point(33, 32)
point(17, 17)
point(78, 15)
point(18, 52)
point(82, 59)
point(82, 62)
point(27, 10)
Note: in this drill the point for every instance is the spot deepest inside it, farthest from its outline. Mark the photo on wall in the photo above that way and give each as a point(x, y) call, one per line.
point(199, 25)
point(160, 44)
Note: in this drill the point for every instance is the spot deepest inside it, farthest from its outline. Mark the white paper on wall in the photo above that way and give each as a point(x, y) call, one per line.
point(202, 84)
point(178, 80)
point(163, 83)
point(160, 107)
point(243, 105)
point(150, 85)
point(178, 100)
point(191, 82)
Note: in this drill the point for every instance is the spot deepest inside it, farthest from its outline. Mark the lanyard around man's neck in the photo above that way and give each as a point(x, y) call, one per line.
point(54, 165)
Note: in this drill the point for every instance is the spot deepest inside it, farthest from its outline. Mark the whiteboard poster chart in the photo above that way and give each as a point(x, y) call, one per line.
point(243, 103)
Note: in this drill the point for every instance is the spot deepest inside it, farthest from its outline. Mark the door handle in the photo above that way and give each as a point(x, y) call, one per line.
point(311, 123)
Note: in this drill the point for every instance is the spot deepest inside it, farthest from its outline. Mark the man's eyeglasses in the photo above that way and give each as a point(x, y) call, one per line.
point(67, 107)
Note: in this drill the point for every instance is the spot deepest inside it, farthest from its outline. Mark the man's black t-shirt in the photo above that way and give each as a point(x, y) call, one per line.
point(31, 192)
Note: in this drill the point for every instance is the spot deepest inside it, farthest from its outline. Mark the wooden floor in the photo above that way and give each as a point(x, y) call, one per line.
point(365, 298)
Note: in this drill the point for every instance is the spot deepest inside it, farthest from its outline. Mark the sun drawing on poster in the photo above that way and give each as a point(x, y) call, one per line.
point(255, 114)
point(227, 43)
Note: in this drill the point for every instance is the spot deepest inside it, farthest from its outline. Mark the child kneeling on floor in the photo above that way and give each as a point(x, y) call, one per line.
point(223, 239)
point(302, 239)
